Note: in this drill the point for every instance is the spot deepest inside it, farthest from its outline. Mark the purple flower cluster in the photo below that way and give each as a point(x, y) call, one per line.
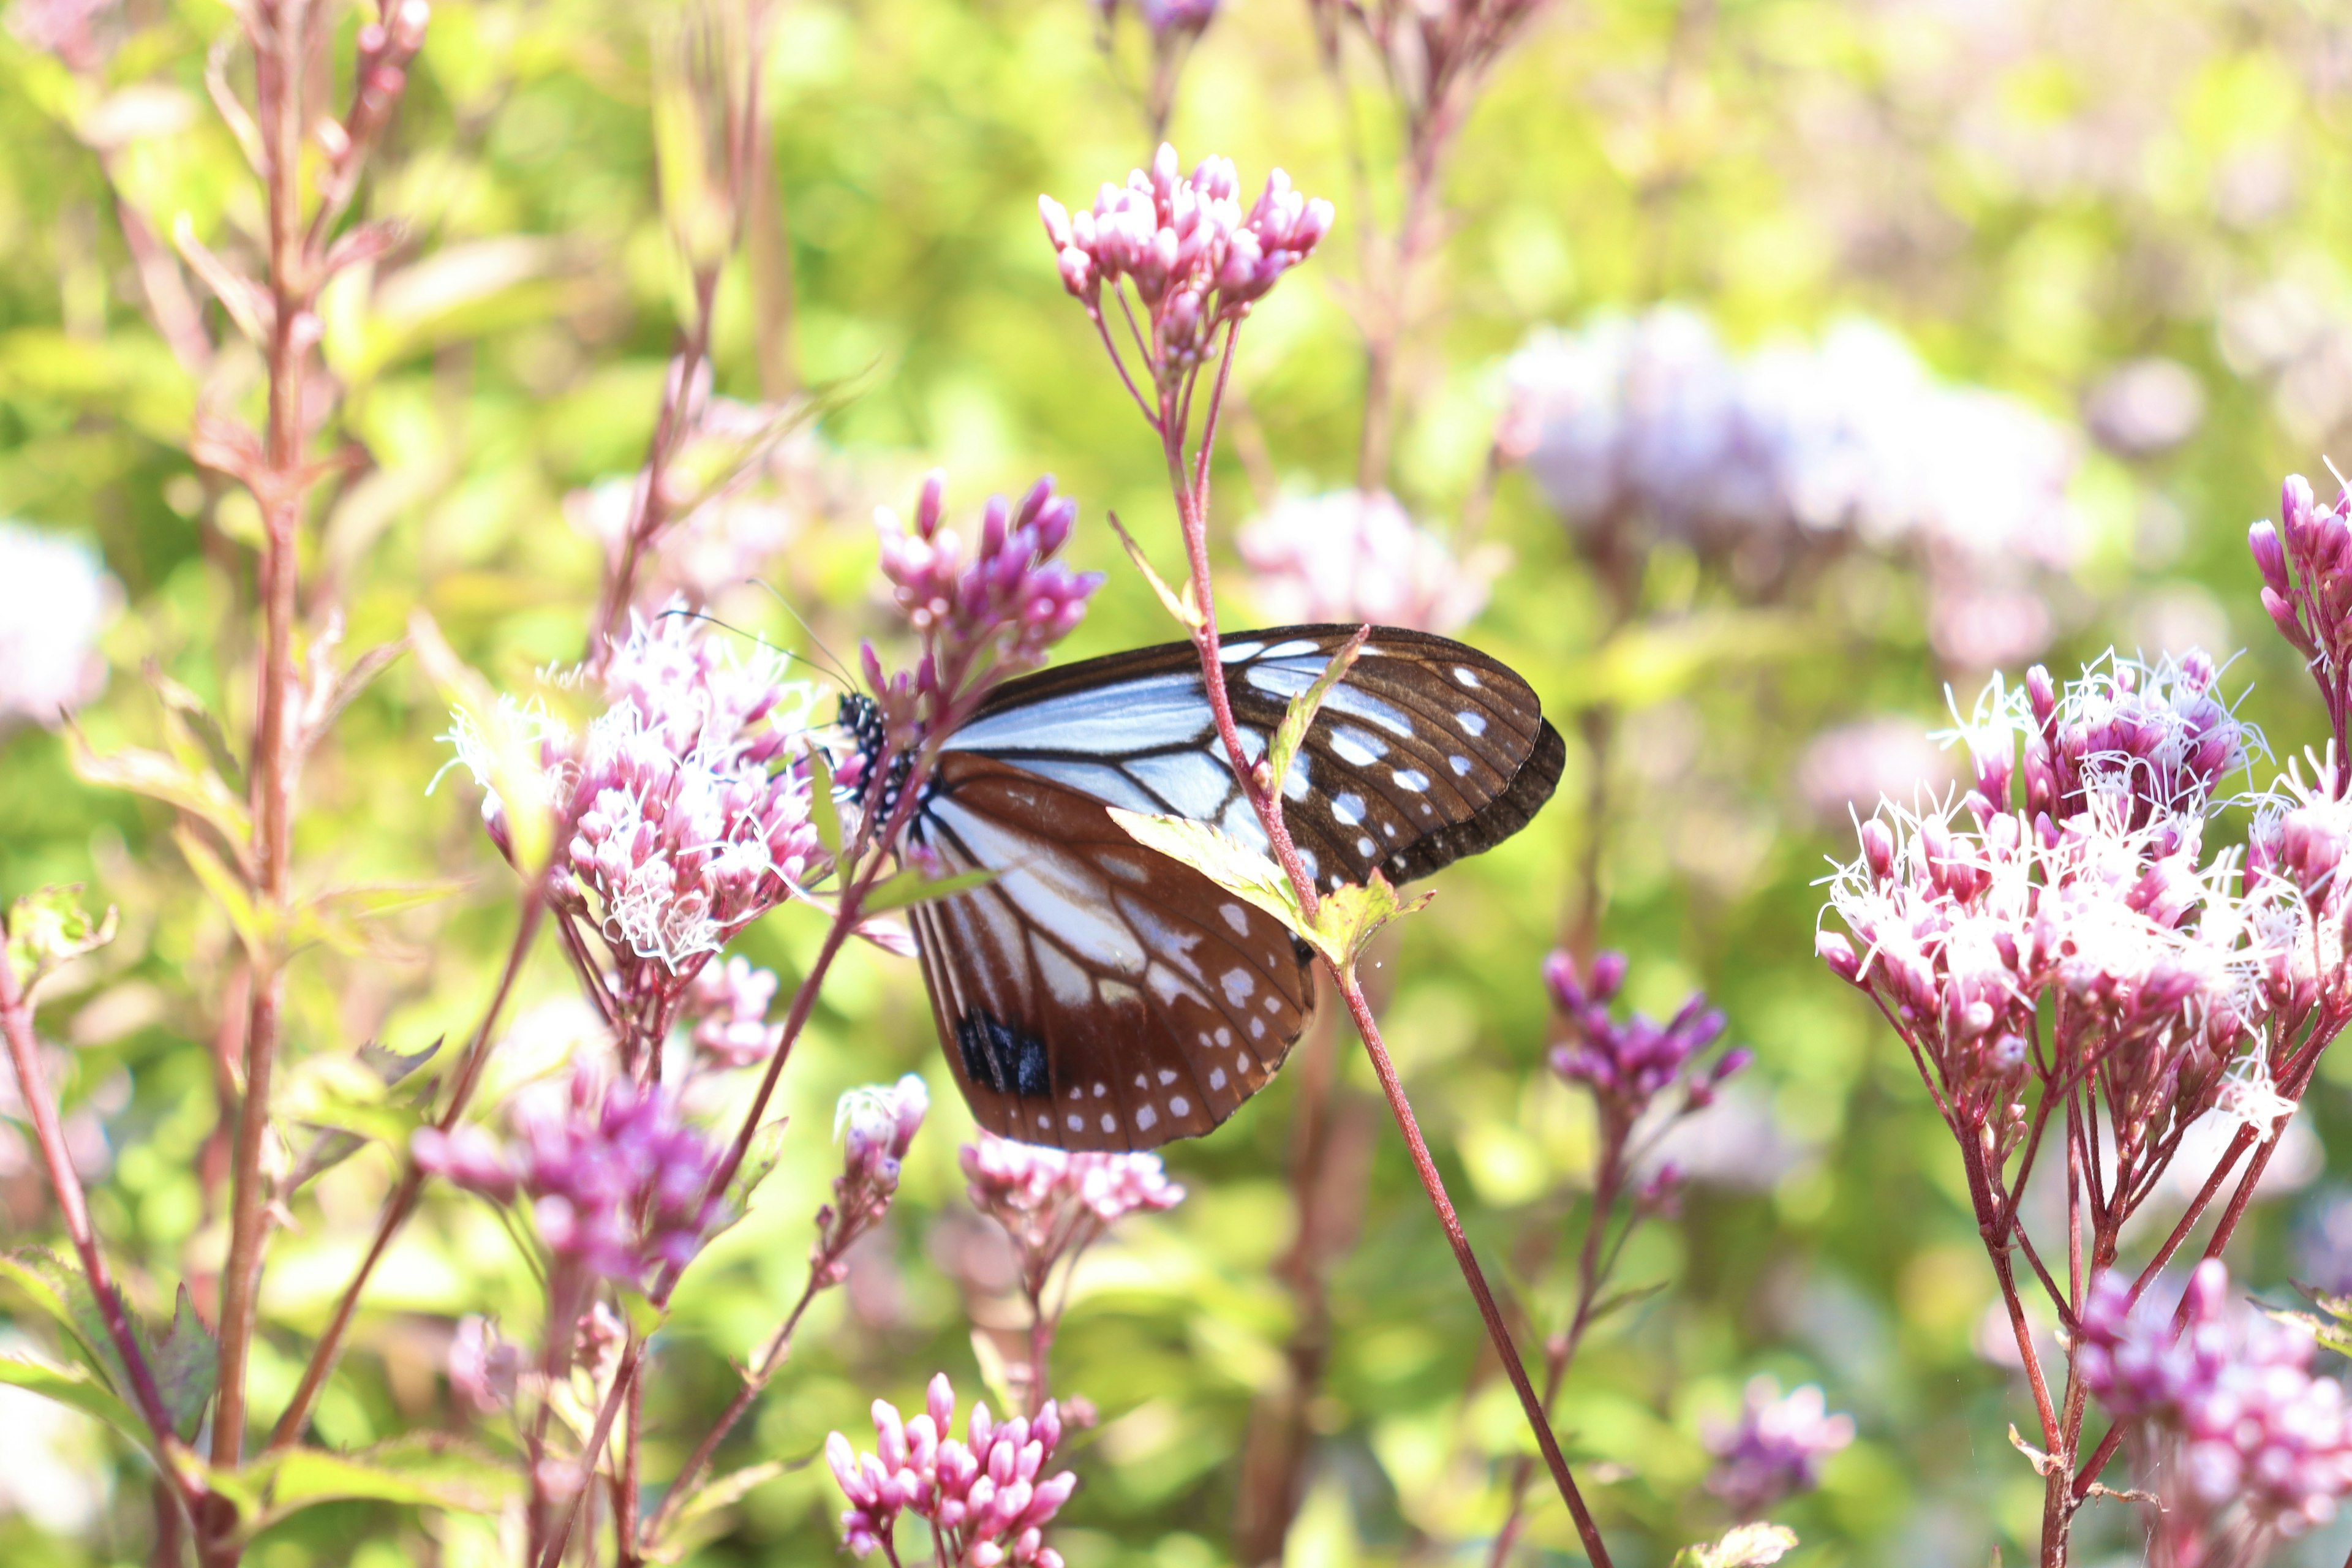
point(986, 1498)
point(2092, 889)
point(1196, 261)
point(1053, 1201)
point(618, 1185)
point(1776, 1447)
point(996, 612)
point(2230, 1405)
point(2306, 567)
point(726, 1011)
point(1628, 1063)
point(1353, 555)
point(876, 1125)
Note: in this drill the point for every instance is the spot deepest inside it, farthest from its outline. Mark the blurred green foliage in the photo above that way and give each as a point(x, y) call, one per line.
point(2035, 193)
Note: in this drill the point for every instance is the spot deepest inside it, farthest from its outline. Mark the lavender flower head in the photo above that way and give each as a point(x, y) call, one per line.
point(1627, 1064)
point(54, 599)
point(692, 821)
point(2092, 888)
point(2306, 566)
point(1054, 1203)
point(986, 1497)
point(618, 1185)
point(2228, 1414)
point(1196, 260)
point(1351, 555)
point(1776, 1447)
point(876, 1126)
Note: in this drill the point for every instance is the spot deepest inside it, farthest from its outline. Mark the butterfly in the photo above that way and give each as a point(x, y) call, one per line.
point(1097, 994)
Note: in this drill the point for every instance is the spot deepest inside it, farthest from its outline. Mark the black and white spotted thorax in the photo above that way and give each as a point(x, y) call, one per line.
point(862, 718)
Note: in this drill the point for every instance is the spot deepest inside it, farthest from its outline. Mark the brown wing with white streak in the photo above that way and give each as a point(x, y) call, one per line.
point(1096, 995)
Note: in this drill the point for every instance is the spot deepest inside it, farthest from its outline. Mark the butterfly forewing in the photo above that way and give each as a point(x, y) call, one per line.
point(1426, 752)
point(1095, 995)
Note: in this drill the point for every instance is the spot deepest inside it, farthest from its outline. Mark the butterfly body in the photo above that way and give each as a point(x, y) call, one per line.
point(1097, 994)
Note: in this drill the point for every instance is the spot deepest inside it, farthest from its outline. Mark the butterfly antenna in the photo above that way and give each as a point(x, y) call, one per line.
point(704, 616)
point(840, 672)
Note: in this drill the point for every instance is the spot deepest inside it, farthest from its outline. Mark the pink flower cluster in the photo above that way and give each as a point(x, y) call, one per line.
point(1353, 555)
point(1627, 1064)
point(617, 1183)
point(1053, 1202)
point(996, 612)
point(1164, 19)
point(484, 1367)
point(986, 1498)
point(1776, 1447)
point(2306, 567)
point(2230, 1404)
point(2092, 889)
point(725, 1009)
point(1196, 260)
point(876, 1125)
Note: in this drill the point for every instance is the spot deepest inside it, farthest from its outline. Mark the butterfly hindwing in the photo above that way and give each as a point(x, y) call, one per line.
point(1427, 750)
point(1095, 995)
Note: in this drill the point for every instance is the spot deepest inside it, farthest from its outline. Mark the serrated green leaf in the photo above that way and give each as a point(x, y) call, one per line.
point(390, 1066)
point(911, 887)
point(428, 1470)
point(184, 1360)
point(1347, 916)
point(825, 812)
point(1297, 719)
point(194, 724)
point(48, 927)
point(187, 1364)
point(1223, 859)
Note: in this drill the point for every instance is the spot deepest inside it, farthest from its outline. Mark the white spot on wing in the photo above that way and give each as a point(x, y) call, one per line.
point(1147, 1119)
point(1461, 766)
point(1216, 1078)
point(1412, 779)
point(1292, 649)
point(1109, 1122)
point(1239, 984)
point(1167, 1076)
point(1101, 1090)
point(1466, 675)
point(1234, 918)
point(1071, 987)
point(1346, 698)
point(1348, 807)
point(1357, 747)
point(1235, 652)
point(1077, 1122)
point(1365, 845)
point(1181, 1106)
point(1472, 723)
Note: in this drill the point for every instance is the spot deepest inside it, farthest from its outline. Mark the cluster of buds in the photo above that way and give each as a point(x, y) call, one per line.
point(2294, 853)
point(385, 48)
point(986, 1498)
point(1053, 1202)
point(1355, 556)
point(2093, 891)
point(2306, 567)
point(2229, 1414)
point(995, 613)
point(726, 1013)
point(618, 1187)
point(876, 1126)
point(1776, 1447)
point(1196, 261)
point(1626, 1064)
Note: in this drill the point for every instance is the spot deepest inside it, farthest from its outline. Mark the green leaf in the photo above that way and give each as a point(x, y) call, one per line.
point(1223, 859)
point(184, 1359)
point(1187, 613)
point(390, 1066)
point(187, 1364)
point(911, 887)
point(199, 793)
point(194, 723)
point(253, 924)
point(1346, 917)
point(430, 1469)
point(79, 1388)
point(48, 927)
point(825, 812)
point(1297, 719)
point(698, 1517)
point(1746, 1546)
point(759, 1160)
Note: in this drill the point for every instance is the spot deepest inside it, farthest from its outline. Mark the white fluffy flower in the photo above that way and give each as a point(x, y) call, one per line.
point(55, 599)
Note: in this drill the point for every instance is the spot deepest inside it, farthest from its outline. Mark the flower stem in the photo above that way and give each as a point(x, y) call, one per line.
point(755, 1379)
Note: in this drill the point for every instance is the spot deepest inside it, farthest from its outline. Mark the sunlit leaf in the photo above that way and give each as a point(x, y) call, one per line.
point(911, 887)
point(1223, 859)
point(49, 927)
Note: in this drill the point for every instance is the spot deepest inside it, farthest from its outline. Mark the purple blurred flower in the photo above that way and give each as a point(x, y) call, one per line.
point(726, 1011)
point(1195, 260)
point(2305, 560)
point(2228, 1415)
point(616, 1183)
point(483, 1367)
point(1352, 556)
point(2324, 1245)
point(78, 32)
point(2145, 406)
point(1627, 1064)
point(876, 1125)
point(987, 1498)
point(1857, 765)
point(1776, 1447)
